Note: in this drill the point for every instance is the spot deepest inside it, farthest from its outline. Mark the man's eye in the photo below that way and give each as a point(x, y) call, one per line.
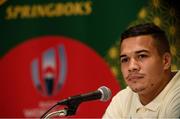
point(142, 56)
point(124, 60)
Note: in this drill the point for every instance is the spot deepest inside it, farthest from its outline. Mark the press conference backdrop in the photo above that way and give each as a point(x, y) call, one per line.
point(51, 50)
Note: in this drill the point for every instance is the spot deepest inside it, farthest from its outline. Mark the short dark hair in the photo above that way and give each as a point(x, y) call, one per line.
point(156, 32)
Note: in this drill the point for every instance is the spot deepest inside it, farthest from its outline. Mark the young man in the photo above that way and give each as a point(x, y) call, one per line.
point(153, 90)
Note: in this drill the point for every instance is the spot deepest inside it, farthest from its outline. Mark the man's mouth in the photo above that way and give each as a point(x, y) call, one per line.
point(134, 77)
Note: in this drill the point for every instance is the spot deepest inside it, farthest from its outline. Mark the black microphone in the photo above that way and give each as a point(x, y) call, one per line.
point(103, 93)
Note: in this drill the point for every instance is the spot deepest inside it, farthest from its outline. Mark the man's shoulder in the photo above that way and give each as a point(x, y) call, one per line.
point(171, 101)
point(173, 94)
point(176, 82)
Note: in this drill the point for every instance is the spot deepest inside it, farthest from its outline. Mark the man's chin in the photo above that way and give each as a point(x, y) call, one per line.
point(138, 90)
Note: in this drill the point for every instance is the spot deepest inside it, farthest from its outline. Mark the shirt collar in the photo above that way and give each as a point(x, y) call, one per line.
point(153, 105)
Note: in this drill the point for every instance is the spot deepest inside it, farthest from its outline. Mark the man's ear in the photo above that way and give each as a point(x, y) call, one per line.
point(167, 60)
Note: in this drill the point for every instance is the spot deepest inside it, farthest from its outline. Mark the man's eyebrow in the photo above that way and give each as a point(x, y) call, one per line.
point(140, 51)
point(137, 52)
point(122, 56)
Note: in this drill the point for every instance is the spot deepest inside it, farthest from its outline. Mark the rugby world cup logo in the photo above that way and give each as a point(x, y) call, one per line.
point(49, 70)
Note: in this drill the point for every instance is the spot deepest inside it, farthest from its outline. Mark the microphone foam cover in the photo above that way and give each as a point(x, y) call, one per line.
point(106, 93)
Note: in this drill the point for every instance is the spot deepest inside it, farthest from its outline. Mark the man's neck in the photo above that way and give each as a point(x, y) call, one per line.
point(147, 98)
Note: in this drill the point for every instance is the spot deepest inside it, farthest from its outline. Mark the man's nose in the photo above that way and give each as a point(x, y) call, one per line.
point(133, 65)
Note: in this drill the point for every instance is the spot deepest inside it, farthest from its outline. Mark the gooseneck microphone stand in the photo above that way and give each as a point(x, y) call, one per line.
point(70, 110)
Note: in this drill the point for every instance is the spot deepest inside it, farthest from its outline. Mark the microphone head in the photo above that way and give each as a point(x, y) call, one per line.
point(106, 93)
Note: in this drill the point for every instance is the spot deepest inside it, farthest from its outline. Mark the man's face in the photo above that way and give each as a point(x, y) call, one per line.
point(141, 65)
